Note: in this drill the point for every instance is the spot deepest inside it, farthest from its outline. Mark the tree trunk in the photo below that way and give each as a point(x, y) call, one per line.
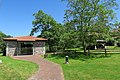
point(88, 52)
point(64, 47)
point(49, 44)
point(84, 47)
point(50, 49)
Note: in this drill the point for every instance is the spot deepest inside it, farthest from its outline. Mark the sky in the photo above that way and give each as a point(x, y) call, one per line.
point(16, 16)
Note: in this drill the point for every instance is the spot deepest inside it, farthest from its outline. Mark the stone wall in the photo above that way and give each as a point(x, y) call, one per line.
point(39, 47)
point(11, 48)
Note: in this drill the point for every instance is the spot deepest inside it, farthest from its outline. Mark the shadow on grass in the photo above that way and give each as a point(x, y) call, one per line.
point(77, 55)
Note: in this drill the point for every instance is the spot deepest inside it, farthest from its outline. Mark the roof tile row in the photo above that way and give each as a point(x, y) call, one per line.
point(25, 38)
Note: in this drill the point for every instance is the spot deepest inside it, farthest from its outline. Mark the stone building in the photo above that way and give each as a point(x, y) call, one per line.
point(24, 45)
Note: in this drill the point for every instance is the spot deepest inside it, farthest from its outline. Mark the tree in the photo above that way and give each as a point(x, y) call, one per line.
point(2, 44)
point(47, 27)
point(90, 18)
point(115, 32)
point(68, 38)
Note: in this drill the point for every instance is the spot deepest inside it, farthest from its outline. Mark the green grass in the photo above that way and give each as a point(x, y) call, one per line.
point(77, 49)
point(110, 49)
point(113, 48)
point(12, 69)
point(104, 68)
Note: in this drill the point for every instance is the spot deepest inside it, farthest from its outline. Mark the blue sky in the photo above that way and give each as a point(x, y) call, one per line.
point(16, 15)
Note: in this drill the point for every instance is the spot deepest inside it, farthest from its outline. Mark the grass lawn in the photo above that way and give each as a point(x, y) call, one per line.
point(104, 68)
point(12, 69)
point(110, 49)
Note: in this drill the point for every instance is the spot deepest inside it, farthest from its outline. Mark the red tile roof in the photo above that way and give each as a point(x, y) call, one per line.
point(25, 38)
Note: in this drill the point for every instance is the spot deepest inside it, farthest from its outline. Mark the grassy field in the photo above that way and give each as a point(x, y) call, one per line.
point(96, 67)
point(12, 69)
point(102, 68)
point(110, 49)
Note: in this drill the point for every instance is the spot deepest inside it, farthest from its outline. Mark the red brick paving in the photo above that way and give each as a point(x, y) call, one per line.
point(47, 70)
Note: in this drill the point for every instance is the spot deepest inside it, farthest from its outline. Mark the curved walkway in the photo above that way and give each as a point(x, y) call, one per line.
point(47, 70)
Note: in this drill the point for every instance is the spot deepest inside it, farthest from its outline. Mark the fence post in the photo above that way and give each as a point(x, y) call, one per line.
point(105, 51)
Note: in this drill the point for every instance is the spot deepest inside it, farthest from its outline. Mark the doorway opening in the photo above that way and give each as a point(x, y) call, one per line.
point(27, 48)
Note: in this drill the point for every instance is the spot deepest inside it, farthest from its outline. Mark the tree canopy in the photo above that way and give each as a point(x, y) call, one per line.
point(47, 27)
point(85, 22)
point(91, 19)
point(2, 44)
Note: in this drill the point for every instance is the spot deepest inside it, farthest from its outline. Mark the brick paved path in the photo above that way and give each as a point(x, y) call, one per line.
point(47, 70)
